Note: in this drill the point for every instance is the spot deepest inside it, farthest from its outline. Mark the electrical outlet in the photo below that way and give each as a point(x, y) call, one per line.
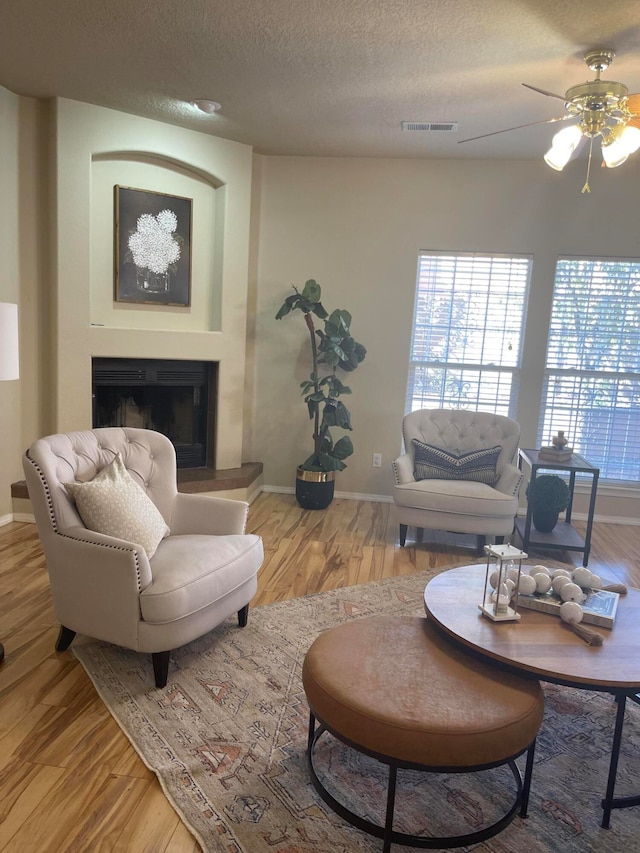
point(377, 460)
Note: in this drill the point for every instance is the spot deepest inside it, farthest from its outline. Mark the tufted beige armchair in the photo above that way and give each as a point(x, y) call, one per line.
point(203, 571)
point(458, 505)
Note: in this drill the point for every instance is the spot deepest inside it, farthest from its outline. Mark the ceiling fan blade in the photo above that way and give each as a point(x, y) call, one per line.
point(518, 127)
point(633, 103)
point(544, 92)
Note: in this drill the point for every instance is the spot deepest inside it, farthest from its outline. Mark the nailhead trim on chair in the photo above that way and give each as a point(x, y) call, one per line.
point(66, 535)
point(47, 492)
point(517, 485)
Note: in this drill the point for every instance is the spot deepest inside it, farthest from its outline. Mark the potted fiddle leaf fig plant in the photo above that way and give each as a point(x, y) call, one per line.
point(548, 495)
point(332, 348)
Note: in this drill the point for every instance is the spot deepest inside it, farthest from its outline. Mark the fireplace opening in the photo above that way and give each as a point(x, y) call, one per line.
point(176, 398)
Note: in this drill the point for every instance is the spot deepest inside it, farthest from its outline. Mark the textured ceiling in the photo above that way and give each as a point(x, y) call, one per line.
point(324, 77)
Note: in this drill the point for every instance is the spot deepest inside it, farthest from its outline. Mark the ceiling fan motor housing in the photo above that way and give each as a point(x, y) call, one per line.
point(599, 59)
point(597, 100)
point(597, 95)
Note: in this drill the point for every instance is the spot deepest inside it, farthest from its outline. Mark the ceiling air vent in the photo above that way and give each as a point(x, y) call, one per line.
point(440, 126)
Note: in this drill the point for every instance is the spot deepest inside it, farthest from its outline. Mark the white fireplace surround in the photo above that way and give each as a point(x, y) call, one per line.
point(96, 150)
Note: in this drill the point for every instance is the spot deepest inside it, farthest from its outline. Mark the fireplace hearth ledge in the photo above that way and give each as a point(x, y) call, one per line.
point(191, 480)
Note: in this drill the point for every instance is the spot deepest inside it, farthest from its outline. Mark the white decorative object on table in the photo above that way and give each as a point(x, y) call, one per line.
point(572, 614)
point(538, 569)
point(543, 582)
point(572, 592)
point(564, 573)
point(528, 584)
point(597, 600)
point(504, 570)
point(560, 440)
point(558, 582)
point(557, 451)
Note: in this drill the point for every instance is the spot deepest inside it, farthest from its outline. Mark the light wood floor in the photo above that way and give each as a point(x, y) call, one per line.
point(69, 779)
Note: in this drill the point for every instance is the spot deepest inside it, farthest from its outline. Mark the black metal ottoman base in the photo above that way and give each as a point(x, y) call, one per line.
point(386, 832)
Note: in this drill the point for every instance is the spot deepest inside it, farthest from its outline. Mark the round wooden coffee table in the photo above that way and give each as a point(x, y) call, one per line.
point(542, 646)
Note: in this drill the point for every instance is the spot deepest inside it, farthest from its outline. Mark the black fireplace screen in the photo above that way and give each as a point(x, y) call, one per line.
point(172, 397)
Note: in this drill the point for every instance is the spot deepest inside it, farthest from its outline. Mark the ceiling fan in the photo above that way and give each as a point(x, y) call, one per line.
point(599, 108)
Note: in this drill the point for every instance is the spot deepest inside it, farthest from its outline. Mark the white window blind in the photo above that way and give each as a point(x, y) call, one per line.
point(592, 377)
point(467, 332)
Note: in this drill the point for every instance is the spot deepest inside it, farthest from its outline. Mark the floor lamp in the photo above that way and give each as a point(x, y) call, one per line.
point(8, 356)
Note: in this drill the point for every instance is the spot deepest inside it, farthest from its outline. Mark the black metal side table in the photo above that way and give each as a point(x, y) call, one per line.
point(563, 537)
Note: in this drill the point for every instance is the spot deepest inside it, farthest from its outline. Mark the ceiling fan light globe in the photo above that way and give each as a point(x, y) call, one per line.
point(630, 138)
point(613, 155)
point(557, 157)
point(617, 146)
point(568, 137)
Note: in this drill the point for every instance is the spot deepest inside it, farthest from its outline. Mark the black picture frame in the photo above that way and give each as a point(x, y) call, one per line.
point(153, 229)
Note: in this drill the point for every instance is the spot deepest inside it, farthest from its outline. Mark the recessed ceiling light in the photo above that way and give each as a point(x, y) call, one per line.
point(206, 106)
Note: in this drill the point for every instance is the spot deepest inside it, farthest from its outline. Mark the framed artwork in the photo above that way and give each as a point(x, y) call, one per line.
point(152, 247)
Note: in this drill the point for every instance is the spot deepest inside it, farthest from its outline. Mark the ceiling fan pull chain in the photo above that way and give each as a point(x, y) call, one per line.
point(586, 188)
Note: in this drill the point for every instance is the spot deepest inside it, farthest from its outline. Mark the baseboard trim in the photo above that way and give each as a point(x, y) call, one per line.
point(6, 519)
point(349, 496)
point(388, 499)
point(279, 490)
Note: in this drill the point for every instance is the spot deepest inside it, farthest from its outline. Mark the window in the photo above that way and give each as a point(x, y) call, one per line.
point(592, 376)
point(467, 332)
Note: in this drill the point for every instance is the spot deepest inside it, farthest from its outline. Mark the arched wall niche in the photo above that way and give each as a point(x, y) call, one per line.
point(169, 176)
point(172, 163)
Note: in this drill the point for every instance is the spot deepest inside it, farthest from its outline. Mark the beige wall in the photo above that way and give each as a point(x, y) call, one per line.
point(10, 408)
point(357, 225)
point(354, 224)
point(59, 161)
point(36, 278)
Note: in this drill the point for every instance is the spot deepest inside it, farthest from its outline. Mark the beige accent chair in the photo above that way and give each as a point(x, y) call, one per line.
point(460, 506)
point(204, 571)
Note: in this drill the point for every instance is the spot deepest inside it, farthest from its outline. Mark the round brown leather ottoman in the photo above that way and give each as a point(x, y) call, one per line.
point(396, 689)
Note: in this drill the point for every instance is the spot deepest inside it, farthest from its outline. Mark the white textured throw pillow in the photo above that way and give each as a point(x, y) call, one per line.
point(114, 504)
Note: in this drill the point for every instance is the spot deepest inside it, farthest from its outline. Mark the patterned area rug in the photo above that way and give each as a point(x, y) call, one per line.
point(227, 740)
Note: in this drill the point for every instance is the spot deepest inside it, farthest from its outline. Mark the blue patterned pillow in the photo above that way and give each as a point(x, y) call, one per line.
point(434, 463)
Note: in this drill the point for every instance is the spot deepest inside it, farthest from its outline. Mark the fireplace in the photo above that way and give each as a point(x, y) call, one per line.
point(176, 398)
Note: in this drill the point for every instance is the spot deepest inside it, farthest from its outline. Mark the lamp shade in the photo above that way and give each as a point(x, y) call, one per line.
point(8, 341)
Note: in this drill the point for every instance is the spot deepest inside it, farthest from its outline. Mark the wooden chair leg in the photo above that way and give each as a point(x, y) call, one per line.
point(403, 534)
point(161, 667)
point(243, 616)
point(65, 638)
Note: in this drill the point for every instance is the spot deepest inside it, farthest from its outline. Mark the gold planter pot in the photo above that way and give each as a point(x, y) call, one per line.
point(314, 489)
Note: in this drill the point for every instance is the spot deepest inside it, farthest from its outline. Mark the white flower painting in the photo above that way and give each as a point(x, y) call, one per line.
point(153, 242)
